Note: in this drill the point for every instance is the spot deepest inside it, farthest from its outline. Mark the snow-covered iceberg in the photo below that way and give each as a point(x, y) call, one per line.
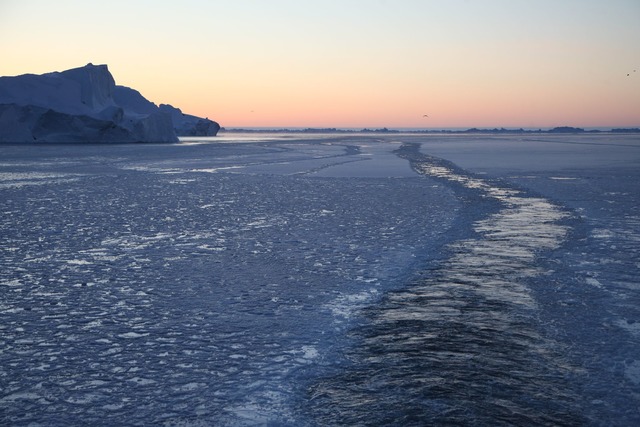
point(85, 105)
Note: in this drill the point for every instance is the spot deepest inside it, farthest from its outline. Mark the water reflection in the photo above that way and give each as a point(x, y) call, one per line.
point(461, 344)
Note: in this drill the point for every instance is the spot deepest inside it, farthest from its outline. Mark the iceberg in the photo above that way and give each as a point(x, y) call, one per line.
point(85, 105)
point(188, 125)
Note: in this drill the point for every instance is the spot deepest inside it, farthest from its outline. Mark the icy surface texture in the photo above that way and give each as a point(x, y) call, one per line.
point(150, 284)
point(327, 281)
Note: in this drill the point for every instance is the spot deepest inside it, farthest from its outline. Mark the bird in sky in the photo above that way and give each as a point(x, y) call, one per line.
point(425, 115)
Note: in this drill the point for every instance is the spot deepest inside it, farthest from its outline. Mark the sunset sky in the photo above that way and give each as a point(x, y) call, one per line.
point(349, 63)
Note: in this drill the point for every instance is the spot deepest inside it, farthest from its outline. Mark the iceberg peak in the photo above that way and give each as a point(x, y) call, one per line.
point(83, 104)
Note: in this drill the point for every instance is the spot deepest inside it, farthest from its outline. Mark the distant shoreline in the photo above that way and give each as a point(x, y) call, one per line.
point(555, 130)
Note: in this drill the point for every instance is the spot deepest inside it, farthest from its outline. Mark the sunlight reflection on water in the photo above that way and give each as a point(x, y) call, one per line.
point(460, 345)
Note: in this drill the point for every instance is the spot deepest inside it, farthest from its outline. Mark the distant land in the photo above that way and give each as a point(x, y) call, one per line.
point(556, 130)
point(84, 105)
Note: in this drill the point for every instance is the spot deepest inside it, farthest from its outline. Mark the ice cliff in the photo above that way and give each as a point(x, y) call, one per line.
point(85, 105)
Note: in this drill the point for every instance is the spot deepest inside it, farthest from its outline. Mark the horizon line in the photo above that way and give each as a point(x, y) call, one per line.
point(434, 129)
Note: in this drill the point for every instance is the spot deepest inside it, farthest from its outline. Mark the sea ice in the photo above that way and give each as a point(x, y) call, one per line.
point(280, 279)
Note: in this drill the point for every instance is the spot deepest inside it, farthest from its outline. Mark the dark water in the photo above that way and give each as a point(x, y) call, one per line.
point(462, 344)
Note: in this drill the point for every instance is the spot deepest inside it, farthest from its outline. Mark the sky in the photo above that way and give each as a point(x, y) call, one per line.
point(349, 63)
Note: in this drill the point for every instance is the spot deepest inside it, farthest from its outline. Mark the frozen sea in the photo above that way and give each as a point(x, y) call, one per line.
point(319, 280)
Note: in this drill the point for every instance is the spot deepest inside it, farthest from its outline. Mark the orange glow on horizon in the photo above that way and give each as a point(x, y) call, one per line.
point(351, 64)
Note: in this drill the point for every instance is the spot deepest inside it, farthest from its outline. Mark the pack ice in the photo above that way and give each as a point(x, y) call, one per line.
point(85, 105)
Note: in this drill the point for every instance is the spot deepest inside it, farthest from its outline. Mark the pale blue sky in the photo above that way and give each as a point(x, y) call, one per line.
point(359, 63)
